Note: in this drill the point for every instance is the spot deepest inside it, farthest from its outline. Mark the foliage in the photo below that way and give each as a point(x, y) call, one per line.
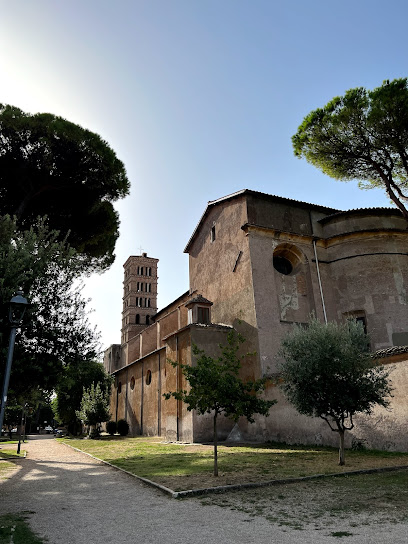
point(111, 427)
point(94, 408)
point(52, 167)
point(123, 427)
point(329, 373)
point(69, 390)
point(55, 332)
point(362, 135)
point(215, 387)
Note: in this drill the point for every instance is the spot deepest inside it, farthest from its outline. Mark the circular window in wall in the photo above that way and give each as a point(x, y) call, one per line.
point(132, 383)
point(287, 259)
point(148, 377)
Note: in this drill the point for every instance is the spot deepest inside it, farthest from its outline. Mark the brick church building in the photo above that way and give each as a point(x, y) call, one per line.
point(259, 263)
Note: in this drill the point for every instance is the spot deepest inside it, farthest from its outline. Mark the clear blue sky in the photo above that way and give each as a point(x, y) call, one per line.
point(199, 99)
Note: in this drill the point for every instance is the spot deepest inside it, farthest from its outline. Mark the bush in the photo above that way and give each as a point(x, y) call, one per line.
point(95, 433)
point(123, 427)
point(111, 427)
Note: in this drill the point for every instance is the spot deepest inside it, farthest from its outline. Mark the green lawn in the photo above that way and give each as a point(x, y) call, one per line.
point(182, 467)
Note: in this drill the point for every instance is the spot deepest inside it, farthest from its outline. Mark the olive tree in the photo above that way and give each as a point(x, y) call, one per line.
point(94, 408)
point(328, 372)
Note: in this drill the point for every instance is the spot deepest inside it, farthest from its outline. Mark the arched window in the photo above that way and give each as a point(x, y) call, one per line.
point(148, 377)
point(137, 319)
point(148, 320)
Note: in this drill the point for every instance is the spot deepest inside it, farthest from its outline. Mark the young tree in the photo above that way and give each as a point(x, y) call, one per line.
point(69, 390)
point(362, 135)
point(215, 387)
point(329, 373)
point(52, 167)
point(94, 408)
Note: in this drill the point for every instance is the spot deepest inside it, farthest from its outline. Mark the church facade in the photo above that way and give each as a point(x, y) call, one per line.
point(260, 263)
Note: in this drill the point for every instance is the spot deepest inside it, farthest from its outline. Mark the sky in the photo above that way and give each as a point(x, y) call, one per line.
point(199, 99)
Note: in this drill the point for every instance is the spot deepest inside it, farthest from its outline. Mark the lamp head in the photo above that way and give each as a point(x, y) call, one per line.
point(18, 305)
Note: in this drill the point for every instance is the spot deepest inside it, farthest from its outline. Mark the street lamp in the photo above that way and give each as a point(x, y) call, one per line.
point(18, 305)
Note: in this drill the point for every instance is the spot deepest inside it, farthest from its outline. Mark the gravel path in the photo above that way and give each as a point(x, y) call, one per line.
point(77, 500)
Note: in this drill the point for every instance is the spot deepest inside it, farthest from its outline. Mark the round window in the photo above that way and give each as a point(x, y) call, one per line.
point(282, 265)
point(287, 259)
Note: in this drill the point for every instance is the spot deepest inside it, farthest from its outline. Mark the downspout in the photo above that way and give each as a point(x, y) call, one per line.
point(320, 281)
point(141, 403)
point(159, 401)
point(177, 381)
point(117, 399)
point(126, 401)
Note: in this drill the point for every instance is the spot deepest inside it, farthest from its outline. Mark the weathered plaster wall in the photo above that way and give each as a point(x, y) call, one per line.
point(385, 429)
point(220, 269)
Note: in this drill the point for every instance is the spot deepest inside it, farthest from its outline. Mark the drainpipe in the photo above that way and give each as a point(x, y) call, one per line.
point(141, 403)
point(320, 281)
point(117, 398)
point(178, 388)
point(126, 401)
point(159, 401)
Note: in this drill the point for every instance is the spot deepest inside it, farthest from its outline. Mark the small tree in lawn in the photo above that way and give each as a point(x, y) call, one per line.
point(215, 387)
point(94, 408)
point(329, 373)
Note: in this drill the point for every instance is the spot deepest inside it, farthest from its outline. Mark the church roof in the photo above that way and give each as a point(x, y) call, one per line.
point(361, 211)
point(266, 196)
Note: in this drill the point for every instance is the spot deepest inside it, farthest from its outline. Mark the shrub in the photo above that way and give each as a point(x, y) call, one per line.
point(111, 427)
point(123, 427)
point(94, 433)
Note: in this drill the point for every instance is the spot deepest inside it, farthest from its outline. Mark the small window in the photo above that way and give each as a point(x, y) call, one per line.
point(137, 319)
point(203, 315)
point(363, 321)
point(120, 388)
point(148, 377)
point(132, 383)
point(212, 236)
point(148, 320)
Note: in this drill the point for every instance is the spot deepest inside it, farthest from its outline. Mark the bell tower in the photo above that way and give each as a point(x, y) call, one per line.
point(139, 295)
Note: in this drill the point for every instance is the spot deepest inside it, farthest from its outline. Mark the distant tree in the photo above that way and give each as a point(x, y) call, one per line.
point(55, 332)
point(52, 167)
point(94, 408)
point(216, 388)
point(329, 373)
point(69, 390)
point(362, 135)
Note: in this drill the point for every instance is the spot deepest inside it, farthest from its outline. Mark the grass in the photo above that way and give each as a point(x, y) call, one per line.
point(14, 529)
point(6, 469)
point(190, 466)
point(340, 505)
point(11, 453)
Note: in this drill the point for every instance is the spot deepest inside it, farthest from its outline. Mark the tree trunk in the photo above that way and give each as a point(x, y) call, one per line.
point(342, 458)
point(215, 438)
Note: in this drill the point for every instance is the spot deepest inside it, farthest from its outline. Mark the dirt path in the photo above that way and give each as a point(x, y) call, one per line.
point(77, 500)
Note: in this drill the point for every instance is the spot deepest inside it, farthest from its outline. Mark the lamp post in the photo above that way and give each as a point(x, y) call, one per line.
point(18, 305)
